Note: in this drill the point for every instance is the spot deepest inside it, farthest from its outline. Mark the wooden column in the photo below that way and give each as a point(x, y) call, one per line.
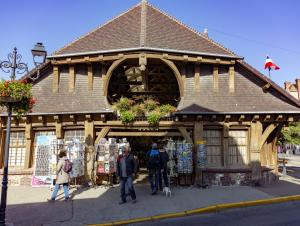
point(225, 143)
point(28, 144)
point(58, 130)
point(197, 78)
point(103, 77)
point(216, 77)
point(231, 79)
point(255, 137)
point(71, 78)
point(90, 77)
point(55, 81)
point(183, 77)
point(198, 138)
point(89, 149)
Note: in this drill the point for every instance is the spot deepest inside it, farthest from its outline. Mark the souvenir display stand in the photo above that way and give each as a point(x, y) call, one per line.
point(107, 155)
point(180, 165)
point(75, 153)
point(46, 151)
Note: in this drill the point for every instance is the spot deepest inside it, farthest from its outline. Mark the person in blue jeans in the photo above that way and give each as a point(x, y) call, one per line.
point(62, 177)
point(126, 168)
point(153, 165)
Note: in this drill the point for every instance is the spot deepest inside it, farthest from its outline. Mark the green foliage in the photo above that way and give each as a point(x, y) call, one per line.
point(166, 109)
point(154, 117)
point(124, 104)
point(290, 134)
point(129, 109)
point(127, 117)
point(150, 104)
point(18, 90)
point(139, 109)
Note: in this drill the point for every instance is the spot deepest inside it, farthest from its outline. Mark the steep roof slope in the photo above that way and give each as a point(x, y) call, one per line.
point(143, 26)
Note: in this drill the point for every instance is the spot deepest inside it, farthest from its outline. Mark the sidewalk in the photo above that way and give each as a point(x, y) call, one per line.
point(27, 206)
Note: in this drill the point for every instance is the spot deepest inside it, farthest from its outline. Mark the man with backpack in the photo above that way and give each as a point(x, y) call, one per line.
point(153, 165)
point(63, 169)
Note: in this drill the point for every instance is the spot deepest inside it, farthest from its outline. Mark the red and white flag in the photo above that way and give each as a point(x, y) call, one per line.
point(270, 64)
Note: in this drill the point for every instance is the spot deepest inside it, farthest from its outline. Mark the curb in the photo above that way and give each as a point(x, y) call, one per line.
point(209, 209)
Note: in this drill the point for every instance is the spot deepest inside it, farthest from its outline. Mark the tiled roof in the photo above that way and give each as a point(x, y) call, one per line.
point(143, 26)
point(248, 97)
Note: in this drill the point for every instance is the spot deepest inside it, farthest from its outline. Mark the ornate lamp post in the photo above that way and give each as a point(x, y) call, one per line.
point(12, 65)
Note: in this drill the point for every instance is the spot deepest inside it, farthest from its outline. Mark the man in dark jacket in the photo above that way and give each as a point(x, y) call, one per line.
point(126, 168)
point(163, 174)
point(153, 165)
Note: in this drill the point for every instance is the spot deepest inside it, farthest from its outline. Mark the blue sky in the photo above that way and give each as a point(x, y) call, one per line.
point(251, 29)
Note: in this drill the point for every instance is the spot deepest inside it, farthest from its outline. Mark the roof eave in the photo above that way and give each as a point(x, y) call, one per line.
point(144, 49)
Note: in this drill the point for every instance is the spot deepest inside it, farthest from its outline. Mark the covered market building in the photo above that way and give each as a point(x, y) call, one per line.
point(221, 101)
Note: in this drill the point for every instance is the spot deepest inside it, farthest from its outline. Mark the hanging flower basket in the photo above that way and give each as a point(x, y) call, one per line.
point(18, 95)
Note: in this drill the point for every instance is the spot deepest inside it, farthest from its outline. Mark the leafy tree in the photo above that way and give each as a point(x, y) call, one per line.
point(290, 134)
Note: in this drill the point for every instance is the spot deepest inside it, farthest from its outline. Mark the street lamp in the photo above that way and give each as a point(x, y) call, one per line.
point(12, 65)
point(39, 56)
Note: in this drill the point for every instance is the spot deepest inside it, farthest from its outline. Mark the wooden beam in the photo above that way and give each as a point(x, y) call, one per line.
point(216, 77)
point(183, 77)
point(144, 134)
point(88, 117)
point(58, 130)
point(266, 134)
point(198, 138)
point(56, 118)
point(231, 79)
point(197, 78)
point(255, 138)
point(225, 143)
point(55, 82)
point(89, 150)
point(255, 118)
point(28, 144)
point(90, 77)
point(102, 58)
point(104, 131)
point(185, 134)
point(227, 118)
point(242, 118)
point(213, 118)
point(199, 117)
point(279, 118)
point(290, 119)
point(267, 118)
point(71, 78)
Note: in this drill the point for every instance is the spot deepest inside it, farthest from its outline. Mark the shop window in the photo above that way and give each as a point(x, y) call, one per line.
point(238, 148)
point(74, 134)
point(214, 148)
point(17, 149)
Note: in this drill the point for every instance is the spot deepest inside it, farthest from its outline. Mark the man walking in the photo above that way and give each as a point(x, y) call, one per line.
point(153, 165)
point(163, 174)
point(126, 168)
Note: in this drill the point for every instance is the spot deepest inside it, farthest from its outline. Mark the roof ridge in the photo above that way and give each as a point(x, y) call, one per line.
point(191, 29)
point(271, 82)
point(97, 28)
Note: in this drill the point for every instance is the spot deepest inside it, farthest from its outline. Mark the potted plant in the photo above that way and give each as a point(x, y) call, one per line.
point(167, 109)
point(18, 95)
point(154, 117)
point(127, 117)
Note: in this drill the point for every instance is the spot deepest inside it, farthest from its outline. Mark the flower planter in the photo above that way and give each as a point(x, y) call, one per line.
point(8, 100)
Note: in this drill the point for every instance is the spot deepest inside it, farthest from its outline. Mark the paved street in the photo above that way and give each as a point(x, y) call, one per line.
point(269, 215)
point(27, 206)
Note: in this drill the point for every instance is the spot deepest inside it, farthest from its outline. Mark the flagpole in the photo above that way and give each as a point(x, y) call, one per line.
point(269, 73)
